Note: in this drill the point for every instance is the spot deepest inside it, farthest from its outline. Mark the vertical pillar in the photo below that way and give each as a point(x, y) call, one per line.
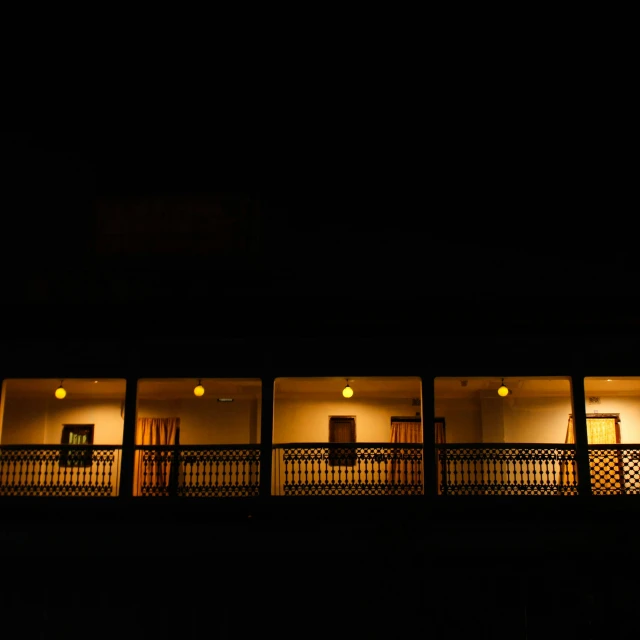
point(127, 463)
point(2, 399)
point(582, 440)
point(175, 465)
point(266, 435)
point(428, 437)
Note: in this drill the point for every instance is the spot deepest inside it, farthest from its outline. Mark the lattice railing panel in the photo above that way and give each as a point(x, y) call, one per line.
point(615, 469)
point(320, 469)
point(208, 471)
point(221, 472)
point(154, 472)
point(524, 469)
point(59, 470)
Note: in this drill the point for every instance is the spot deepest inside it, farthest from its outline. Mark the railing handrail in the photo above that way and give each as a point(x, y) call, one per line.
point(505, 445)
point(196, 447)
point(350, 445)
point(531, 445)
point(614, 447)
point(283, 445)
point(56, 447)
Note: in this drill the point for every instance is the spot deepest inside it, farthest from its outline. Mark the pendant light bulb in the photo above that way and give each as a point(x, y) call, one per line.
point(60, 392)
point(347, 392)
point(503, 390)
point(199, 389)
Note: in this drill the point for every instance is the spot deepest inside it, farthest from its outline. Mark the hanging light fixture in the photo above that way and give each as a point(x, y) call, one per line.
point(347, 392)
point(60, 392)
point(503, 390)
point(198, 389)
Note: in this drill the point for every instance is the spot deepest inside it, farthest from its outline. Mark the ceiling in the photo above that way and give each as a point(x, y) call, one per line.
point(364, 387)
point(237, 388)
point(147, 389)
point(533, 386)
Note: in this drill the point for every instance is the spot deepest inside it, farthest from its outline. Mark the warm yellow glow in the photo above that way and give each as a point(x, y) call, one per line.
point(199, 390)
point(503, 390)
point(347, 392)
point(60, 392)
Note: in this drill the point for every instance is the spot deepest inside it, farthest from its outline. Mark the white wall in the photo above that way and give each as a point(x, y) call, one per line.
point(307, 420)
point(104, 414)
point(207, 421)
point(492, 418)
point(203, 421)
point(39, 421)
point(541, 420)
point(463, 419)
point(24, 421)
point(629, 409)
point(536, 419)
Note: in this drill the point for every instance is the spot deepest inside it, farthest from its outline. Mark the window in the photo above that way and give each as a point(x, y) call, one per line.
point(342, 429)
point(76, 434)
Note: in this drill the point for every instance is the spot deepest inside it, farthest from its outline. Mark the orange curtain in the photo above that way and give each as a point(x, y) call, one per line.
point(403, 468)
point(599, 431)
point(153, 468)
point(570, 437)
point(606, 465)
point(439, 432)
point(406, 432)
point(603, 431)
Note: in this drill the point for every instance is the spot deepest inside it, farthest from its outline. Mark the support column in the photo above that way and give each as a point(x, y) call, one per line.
point(2, 397)
point(582, 440)
point(266, 435)
point(428, 436)
point(127, 463)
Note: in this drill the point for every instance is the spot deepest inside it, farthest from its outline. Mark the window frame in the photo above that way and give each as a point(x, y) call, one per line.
point(70, 456)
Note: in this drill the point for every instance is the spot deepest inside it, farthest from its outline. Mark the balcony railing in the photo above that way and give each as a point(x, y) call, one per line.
point(317, 469)
point(535, 469)
point(522, 469)
point(203, 471)
point(615, 469)
point(322, 469)
point(60, 470)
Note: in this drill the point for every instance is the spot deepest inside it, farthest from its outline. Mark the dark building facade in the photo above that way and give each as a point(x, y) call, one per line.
point(167, 278)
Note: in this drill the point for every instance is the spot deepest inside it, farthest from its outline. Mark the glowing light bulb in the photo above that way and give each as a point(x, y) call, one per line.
point(503, 390)
point(60, 392)
point(198, 390)
point(347, 392)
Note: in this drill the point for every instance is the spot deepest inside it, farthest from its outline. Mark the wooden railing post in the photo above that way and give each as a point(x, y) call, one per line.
point(428, 437)
point(582, 440)
point(266, 436)
point(2, 402)
point(129, 438)
point(175, 462)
